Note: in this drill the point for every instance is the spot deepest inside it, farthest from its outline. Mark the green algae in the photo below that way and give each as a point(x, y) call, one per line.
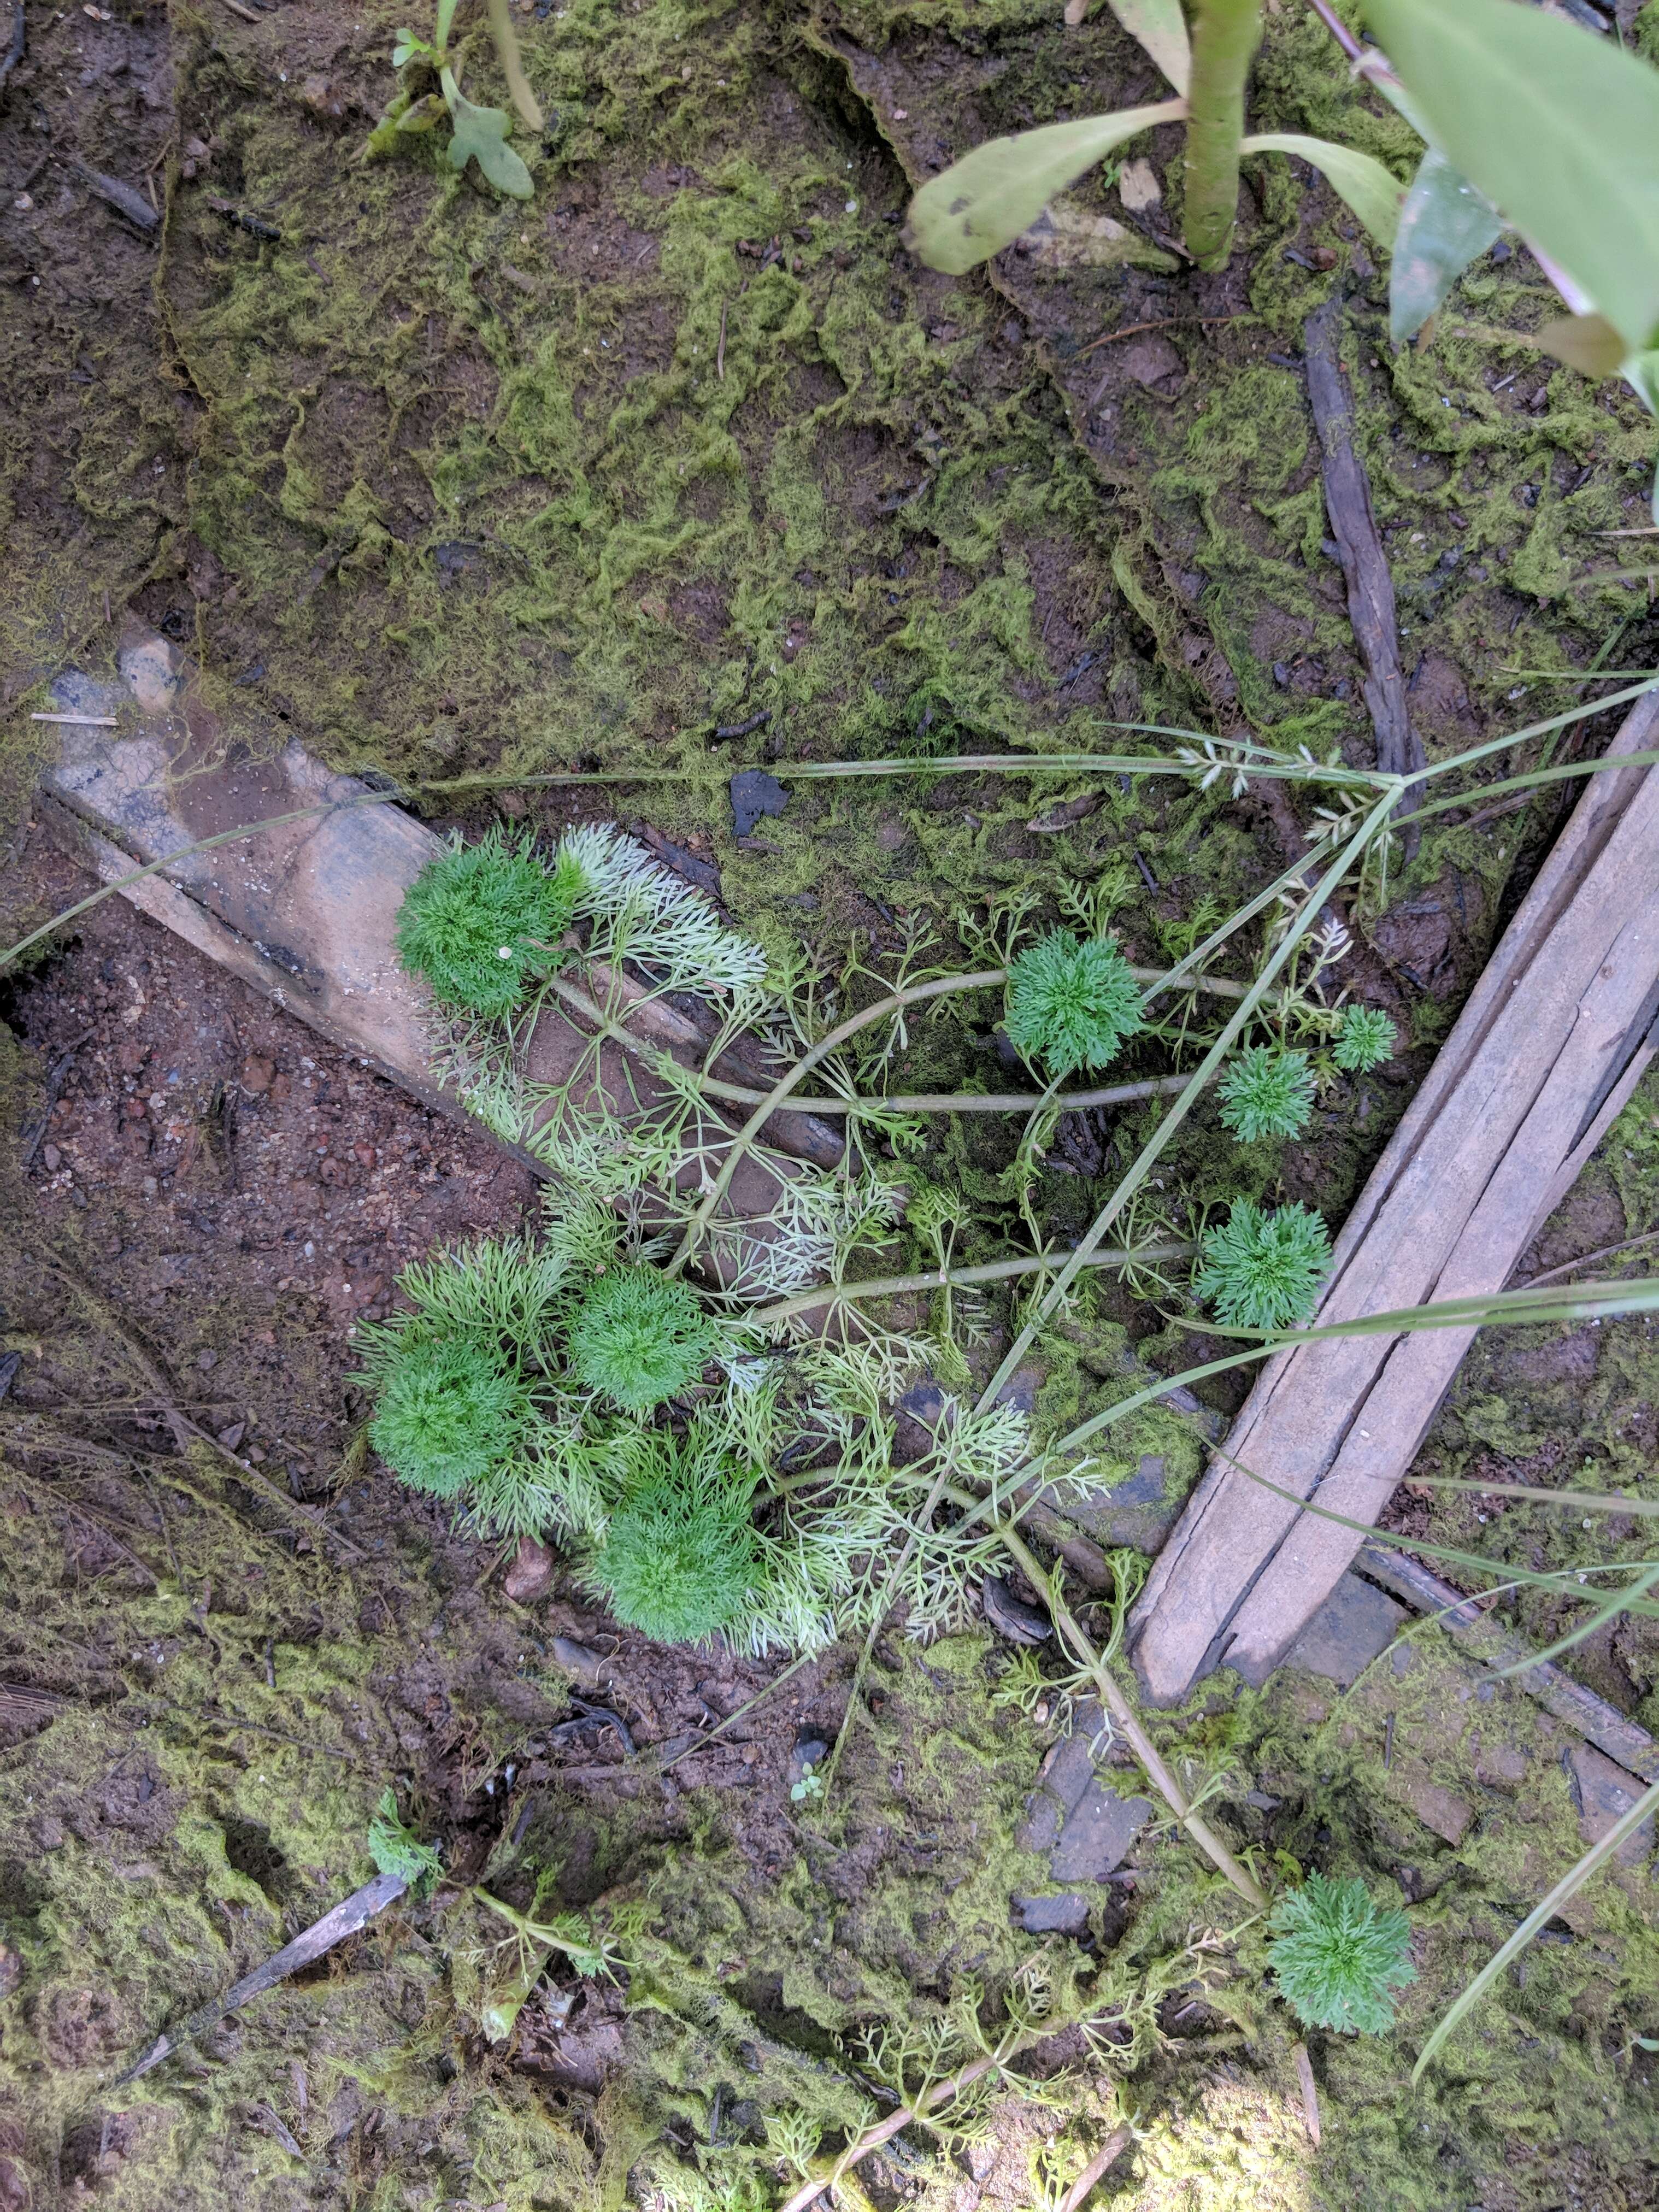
point(469, 522)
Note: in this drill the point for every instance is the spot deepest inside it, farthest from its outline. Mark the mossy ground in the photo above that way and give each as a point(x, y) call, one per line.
point(448, 486)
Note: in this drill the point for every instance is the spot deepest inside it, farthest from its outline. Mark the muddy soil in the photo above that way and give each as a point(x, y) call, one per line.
point(688, 463)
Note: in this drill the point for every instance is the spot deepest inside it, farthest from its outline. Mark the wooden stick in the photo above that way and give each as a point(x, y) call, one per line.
point(1108, 2154)
point(1365, 564)
point(1548, 1047)
point(346, 1919)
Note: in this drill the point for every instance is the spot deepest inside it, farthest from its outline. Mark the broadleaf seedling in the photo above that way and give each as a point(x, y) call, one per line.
point(477, 133)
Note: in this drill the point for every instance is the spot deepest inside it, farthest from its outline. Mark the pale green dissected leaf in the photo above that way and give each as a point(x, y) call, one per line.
point(1556, 127)
point(1571, 1882)
point(1372, 192)
point(1161, 27)
point(480, 134)
point(1444, 225)
point(983, 202)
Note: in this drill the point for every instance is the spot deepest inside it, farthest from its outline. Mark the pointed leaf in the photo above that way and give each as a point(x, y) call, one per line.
point(481, 133)
point(983, 202)
point(1444, 225)
point(1589, 343)
point(1161, 27)
point(1559, 128)
point(1372, 192)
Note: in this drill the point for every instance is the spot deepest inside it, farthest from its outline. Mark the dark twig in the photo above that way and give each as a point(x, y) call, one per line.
point(357, 1911)
point(115, 194)
point(1360, 547)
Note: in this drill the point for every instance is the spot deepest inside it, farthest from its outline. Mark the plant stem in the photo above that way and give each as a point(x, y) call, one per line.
point(894, 1003)
point(507, 53)
point(1225, 35)
point(1125, 1719)
point(939, 1279)
point(882, 2131)
point(1352, 849)
point(919, 1101)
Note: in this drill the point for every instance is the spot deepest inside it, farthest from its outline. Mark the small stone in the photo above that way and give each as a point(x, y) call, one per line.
point(257, 1075)
point(23, 203)
point(1016, 1622)
point(531, 1572)
point(755, 793)
point(1138, 186)
point(1437, 1808)
point(52, 1157)
point(1152, 360)
point(320, 95)
point(1065, 1915)
point(1096, 1833)
point(1500, 1762)
point(233, 1435)
point(577, 1661)
point(207, 1357)
point(810, 1749)
point(1355, 1625)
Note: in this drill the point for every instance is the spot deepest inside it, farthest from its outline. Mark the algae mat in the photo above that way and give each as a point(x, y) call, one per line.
point(686, 463)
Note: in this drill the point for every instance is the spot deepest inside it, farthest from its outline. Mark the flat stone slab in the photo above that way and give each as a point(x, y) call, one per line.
point(1355, 1625)
point(1065, 1915)
point(1603, 1793)
point(1084, 1824)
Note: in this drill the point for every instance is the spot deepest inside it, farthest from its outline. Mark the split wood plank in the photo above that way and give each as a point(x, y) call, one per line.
point(1359, 545)
point(1553, 1040)
point(306, 911)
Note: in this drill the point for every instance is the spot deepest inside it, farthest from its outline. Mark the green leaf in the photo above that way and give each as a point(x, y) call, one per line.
point(1373, 193)
point(481, 133)
point(983, 202)
point(1589, 343)
point(1161, 27)
point(407, 48)
point(1444, 225)
point(1558, 127)
point(1641, 372)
